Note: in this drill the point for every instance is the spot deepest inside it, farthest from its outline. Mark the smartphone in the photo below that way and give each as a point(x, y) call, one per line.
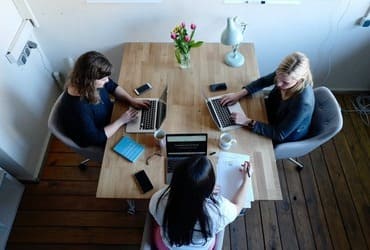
point(143, 181)
point(142, 88)
point(217, 86)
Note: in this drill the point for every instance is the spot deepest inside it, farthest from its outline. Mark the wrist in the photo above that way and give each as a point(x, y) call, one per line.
point(251, 123)
point(243, 93)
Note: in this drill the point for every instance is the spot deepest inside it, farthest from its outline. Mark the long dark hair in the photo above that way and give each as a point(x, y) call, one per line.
point(89, 67)
point(192, 182)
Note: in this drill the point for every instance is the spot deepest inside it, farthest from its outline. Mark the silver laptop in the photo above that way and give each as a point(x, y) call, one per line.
point(149, 120)
point(181, 146)
point(221, 114)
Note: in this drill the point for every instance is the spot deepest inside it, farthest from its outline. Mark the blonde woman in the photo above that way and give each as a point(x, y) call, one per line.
point(289, 105)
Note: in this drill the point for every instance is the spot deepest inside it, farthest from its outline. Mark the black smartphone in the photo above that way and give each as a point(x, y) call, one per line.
point(217, 86)
point(143, 181)
point(142, 88)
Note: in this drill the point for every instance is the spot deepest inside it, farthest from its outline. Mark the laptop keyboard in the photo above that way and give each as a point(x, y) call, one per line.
point(147, 116)
point(223, 113)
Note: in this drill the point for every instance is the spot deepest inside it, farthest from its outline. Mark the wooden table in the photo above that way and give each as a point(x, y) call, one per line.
point(186, 112)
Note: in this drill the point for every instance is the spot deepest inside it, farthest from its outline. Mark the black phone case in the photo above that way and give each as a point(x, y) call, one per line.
point(141, 89)
point(143, 181)
point(217, 86)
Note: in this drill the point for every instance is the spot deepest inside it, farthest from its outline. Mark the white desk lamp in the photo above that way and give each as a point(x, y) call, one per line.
point(233, 36)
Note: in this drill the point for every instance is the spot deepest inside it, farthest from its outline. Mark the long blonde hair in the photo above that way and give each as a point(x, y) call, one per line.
point(297, 66)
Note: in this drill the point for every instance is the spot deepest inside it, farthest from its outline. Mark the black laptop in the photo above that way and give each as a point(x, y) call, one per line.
point(181, 146)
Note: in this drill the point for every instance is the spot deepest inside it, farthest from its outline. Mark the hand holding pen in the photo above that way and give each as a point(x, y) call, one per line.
point(247, 168)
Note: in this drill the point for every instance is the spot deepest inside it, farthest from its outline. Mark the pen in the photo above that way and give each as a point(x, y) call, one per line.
point(212, 153)
point(249, 175)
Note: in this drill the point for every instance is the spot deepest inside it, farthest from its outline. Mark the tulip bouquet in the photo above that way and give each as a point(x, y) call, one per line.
point(183, 41)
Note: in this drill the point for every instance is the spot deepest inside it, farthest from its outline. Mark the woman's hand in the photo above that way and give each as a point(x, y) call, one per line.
point(126, 117)
point(140, 103)
point(129, 115)
point(247, 170)
point(232, 98)
point(240, 118)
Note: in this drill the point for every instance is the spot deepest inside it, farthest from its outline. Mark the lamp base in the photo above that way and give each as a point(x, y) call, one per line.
point(234, 60)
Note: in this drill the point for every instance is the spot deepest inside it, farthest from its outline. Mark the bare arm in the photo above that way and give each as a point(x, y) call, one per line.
point(241, 194)
point(123, 119)
point(122, 95)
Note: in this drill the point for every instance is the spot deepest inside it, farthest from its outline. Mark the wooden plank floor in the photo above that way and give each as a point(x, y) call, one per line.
point(325, 206)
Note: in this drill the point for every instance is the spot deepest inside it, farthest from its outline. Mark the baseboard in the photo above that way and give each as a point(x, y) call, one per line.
point(42, 160)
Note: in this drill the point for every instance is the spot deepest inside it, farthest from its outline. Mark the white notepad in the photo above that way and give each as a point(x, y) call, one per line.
point(229, 177)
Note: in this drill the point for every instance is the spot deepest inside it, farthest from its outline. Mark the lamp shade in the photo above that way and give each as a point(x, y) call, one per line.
point(232, 35)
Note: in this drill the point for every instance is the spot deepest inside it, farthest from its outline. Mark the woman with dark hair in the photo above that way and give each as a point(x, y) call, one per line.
point(188, 212)
point(289, 105)
point(86, 107)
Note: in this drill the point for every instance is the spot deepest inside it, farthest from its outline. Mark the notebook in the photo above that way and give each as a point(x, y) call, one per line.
point(229, 177)
point(181, 146)
point(149, 120)
point(221, 114)
point(128, 148)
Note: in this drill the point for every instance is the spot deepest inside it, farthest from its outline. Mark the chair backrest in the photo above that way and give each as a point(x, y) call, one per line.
point(326, 122)
point(93, 153)
point(146, 240)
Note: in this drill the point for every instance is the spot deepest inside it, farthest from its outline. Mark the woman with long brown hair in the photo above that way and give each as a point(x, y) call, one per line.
point(86, 106)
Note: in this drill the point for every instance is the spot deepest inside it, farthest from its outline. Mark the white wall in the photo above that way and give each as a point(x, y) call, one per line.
point(26, 95)
point(325, 30)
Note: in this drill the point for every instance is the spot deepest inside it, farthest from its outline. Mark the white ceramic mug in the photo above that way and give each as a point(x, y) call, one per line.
point(160, 137)
point(226, 140)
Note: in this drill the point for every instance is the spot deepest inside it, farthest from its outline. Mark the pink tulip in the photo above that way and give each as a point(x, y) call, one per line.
point(183, 24)
point(193, 26)
point(173, 35)
point(187, 38)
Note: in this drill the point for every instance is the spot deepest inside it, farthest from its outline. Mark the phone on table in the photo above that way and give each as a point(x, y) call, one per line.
point(142, 88)
point(217, 86)
point(143, 181)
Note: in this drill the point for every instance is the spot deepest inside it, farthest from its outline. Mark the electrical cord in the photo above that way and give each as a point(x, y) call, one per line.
point(361, 105)
point(333, 45)
point(43, 63)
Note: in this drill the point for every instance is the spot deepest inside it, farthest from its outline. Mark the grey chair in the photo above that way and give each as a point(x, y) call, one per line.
point(90, 153)
point(326, 122)
point(146, 241)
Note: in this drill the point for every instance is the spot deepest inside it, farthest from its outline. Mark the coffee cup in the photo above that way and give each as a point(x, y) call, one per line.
point(160, 137)
point(226, 141)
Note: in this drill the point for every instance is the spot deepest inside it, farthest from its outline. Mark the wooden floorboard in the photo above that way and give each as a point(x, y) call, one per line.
point(284, 213)
point(325, 206)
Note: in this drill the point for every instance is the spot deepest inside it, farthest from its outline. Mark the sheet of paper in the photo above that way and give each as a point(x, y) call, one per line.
point(229, 177)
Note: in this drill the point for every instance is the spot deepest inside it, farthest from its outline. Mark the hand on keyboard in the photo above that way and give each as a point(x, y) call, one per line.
point(232, 98)
point(240, 119)
point(129, 115)
point(140, 104)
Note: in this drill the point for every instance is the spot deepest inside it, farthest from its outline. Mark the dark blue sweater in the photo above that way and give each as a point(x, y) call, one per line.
point(289, 120)
point(84, 122)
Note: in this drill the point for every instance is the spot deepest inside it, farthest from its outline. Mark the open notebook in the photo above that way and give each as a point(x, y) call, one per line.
point(229, 177)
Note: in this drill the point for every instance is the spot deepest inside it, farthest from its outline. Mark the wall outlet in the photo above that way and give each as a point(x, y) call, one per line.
point(20, 46)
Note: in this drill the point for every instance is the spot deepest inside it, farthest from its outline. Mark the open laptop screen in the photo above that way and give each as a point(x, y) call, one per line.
point(162, 108)
point(186, 144)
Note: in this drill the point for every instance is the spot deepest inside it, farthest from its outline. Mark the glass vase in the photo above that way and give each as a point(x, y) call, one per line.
point(183, 59)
